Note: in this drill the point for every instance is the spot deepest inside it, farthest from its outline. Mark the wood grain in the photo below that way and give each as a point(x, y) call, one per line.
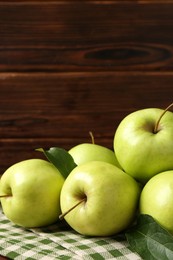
point(58, 103)
point(70, 67)
point(86, 36)
point(59, 109)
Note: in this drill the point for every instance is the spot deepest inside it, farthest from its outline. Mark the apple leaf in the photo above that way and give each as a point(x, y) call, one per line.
point(60, 158)
point(150, 240)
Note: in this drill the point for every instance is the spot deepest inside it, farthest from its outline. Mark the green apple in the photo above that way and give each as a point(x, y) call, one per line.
point(30, 193)
point(87, 152)
point(156, 199)
point(143, 143)
point(99, 199)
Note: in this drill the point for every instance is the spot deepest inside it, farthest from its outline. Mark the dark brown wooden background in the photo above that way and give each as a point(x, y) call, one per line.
point(70, 67)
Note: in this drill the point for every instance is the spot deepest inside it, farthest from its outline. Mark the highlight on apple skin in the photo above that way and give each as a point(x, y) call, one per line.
point(86, 152)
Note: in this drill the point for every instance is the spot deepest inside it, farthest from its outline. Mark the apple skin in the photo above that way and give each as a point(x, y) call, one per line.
point(111, 199)
point(86, 152)
point(156, 199)
point(141, 152)
point(34, 186)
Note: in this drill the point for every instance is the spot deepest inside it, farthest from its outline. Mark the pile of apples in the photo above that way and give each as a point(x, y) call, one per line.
point(107, 189)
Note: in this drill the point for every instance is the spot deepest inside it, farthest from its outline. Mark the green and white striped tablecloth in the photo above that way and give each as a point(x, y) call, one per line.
point(59, 242)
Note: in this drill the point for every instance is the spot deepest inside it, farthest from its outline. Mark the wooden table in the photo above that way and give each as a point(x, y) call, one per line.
point(70, 67)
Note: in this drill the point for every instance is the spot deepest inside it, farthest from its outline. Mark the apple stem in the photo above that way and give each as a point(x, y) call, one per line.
point(156, 128)
point(92, 137)
point(69, 210)
point(4, 196)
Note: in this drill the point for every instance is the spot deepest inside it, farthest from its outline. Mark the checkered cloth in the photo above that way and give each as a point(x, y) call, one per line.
point(59, 242)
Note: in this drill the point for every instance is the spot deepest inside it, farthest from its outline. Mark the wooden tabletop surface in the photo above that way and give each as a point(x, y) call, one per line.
point(70, 67)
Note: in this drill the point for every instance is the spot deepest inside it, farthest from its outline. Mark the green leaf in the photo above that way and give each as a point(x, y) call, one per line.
point(150, 240)
point(60, 158)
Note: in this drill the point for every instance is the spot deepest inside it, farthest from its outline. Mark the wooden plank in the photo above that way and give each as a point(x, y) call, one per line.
point(72, 104)
point(60, 109)
point(86, 36)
